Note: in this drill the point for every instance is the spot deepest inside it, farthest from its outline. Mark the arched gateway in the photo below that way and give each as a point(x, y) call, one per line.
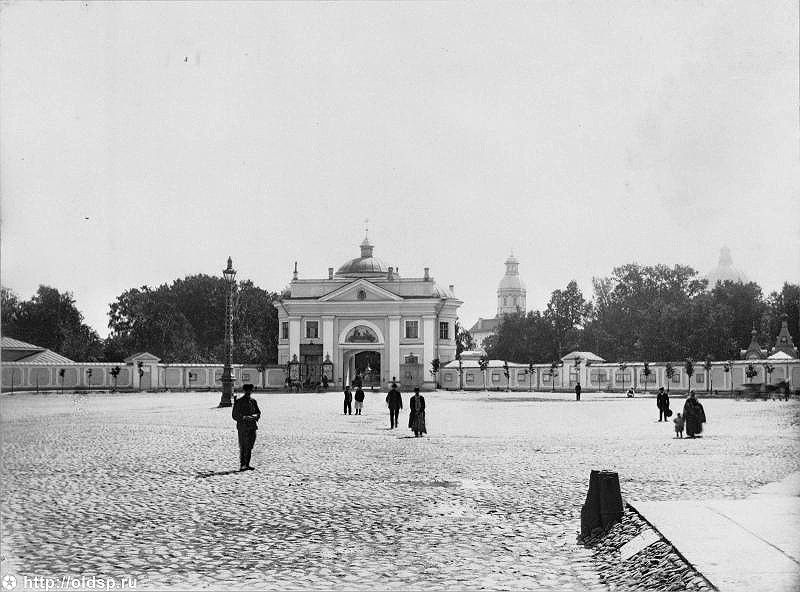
point(367, 319)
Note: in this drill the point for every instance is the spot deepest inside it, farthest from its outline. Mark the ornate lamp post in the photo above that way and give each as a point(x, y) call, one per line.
point(227, 375)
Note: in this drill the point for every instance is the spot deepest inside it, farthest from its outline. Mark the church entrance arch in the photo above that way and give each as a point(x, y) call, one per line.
point(361, 343)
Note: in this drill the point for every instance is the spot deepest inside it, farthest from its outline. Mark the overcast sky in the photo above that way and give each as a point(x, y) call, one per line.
point(141, 143)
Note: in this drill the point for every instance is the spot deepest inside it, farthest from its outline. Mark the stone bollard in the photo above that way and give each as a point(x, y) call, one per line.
point(603, 506)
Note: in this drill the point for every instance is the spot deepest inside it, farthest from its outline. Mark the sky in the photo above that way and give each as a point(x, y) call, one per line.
point(144, 142)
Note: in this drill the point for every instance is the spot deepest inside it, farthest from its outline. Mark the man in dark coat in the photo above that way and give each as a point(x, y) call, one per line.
point(416, 414)
point(359, 397)
point(662, 401)
point(578, 391)
point(246, 413)
point(348, 401)
point(395, 402)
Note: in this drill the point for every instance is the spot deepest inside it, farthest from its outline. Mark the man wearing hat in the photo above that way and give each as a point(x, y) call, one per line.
point(246, 414)
point(662, 401)
point(394, 400)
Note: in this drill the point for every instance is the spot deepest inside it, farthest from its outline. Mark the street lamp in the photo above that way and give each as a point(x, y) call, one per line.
point(229, 274)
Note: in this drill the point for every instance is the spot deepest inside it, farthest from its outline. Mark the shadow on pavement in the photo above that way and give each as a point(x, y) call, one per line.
point(206, 474)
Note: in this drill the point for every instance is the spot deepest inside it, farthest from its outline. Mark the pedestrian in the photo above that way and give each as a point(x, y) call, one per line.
point(359, 400)
point(246, 413)
point(578, 391)
point(325, 381)
point(678, 421)
point(662, 402)
point(694, 415)
point(631, 393)
point(416, 413)
point(395, 402)
point(348, 401)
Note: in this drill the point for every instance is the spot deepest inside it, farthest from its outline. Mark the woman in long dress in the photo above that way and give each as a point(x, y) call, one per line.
point(416, 416)
point(694, 414)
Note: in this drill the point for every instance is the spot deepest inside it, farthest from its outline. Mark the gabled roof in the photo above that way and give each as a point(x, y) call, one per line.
point(367, 286)
point(584, 356)
point(15, 350)
point(780, 355)
point(143, 356)
point(10, 343)
point(483, 325)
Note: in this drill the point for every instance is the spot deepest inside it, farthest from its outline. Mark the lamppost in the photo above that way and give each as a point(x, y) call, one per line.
point(229, 274)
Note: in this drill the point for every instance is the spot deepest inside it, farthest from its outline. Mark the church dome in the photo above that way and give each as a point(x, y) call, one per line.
point(511, 282)
point(725, 271)
point(365, 266)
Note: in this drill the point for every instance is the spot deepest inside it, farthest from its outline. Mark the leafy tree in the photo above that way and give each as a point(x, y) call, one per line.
point(435, 369)
point(522, 337)
point(483, 364)
point(688, 366)
point(646, 371)
point(567, 312)
point(669, 372)
point(622, 368)
point(707, 367)
point(553, 374)
point(507, 374)
point(52, 320)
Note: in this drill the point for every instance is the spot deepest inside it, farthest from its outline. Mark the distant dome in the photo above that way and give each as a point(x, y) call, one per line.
point(725, 271)
point(511, 282)
point(364, 266)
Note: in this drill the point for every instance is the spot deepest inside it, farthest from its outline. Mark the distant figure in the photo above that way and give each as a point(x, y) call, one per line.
point(694, 414)
point(678, 421)
point(631, 393)
point(325, 381)
point(359, 400)
point(662, 401)
point(246, 413)
point(395, 402)
point(348, 401)
point(416, 413)
point(578, 391)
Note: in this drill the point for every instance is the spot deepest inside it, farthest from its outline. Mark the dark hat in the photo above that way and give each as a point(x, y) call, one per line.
point(248, 388)
point(394, 385)
point(416, 389)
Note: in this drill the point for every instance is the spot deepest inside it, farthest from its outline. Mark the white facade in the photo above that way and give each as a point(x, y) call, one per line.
point(365, 319)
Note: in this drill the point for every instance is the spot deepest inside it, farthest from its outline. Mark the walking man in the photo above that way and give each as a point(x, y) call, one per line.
point(348, 401)
point(662, 401)
point(246, 413)
point(395, 402)
point(359, 396)
point(578, 391)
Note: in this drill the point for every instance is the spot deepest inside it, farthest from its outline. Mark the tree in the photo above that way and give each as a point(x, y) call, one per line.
point(553, 374)
point(669, 372)
point(646, 372)
point(707, 367)
point(531, 370)
point(688, 366)
point(622, 369)
point(728, 367)
point(507, 375)
point(51, 319)
point(521, 337)
point(567, 312)
point(114, 374)
point(61, 373)
point(768, 368)
point(750, 372)
point(483, 364)
point(435, 370)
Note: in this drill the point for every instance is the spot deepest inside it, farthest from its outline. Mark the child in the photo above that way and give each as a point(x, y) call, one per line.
point(678, 425)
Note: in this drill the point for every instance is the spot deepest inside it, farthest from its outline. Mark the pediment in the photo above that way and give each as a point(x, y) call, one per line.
point(361, 290)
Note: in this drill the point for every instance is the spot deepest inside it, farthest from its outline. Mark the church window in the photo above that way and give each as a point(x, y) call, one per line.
point(284, 330)
point(412, 329)
point(444, 330)
point(312, 329)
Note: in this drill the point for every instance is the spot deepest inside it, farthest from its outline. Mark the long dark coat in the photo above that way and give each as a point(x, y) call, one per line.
point(695, 416)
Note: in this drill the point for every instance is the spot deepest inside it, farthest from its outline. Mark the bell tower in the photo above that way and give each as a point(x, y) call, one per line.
point(511, 291)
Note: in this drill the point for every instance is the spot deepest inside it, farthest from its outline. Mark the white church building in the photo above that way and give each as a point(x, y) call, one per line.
point(365, 319)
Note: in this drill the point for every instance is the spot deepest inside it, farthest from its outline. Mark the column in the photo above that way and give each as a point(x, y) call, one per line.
point(294, 337)
point(394, 346)
point(429, 338)
point(327, 336)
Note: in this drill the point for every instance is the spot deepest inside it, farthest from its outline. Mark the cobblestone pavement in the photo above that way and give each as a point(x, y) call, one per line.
point(134, 485)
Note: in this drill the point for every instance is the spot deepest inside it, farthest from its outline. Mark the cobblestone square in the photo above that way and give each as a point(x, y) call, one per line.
point(141, 486)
